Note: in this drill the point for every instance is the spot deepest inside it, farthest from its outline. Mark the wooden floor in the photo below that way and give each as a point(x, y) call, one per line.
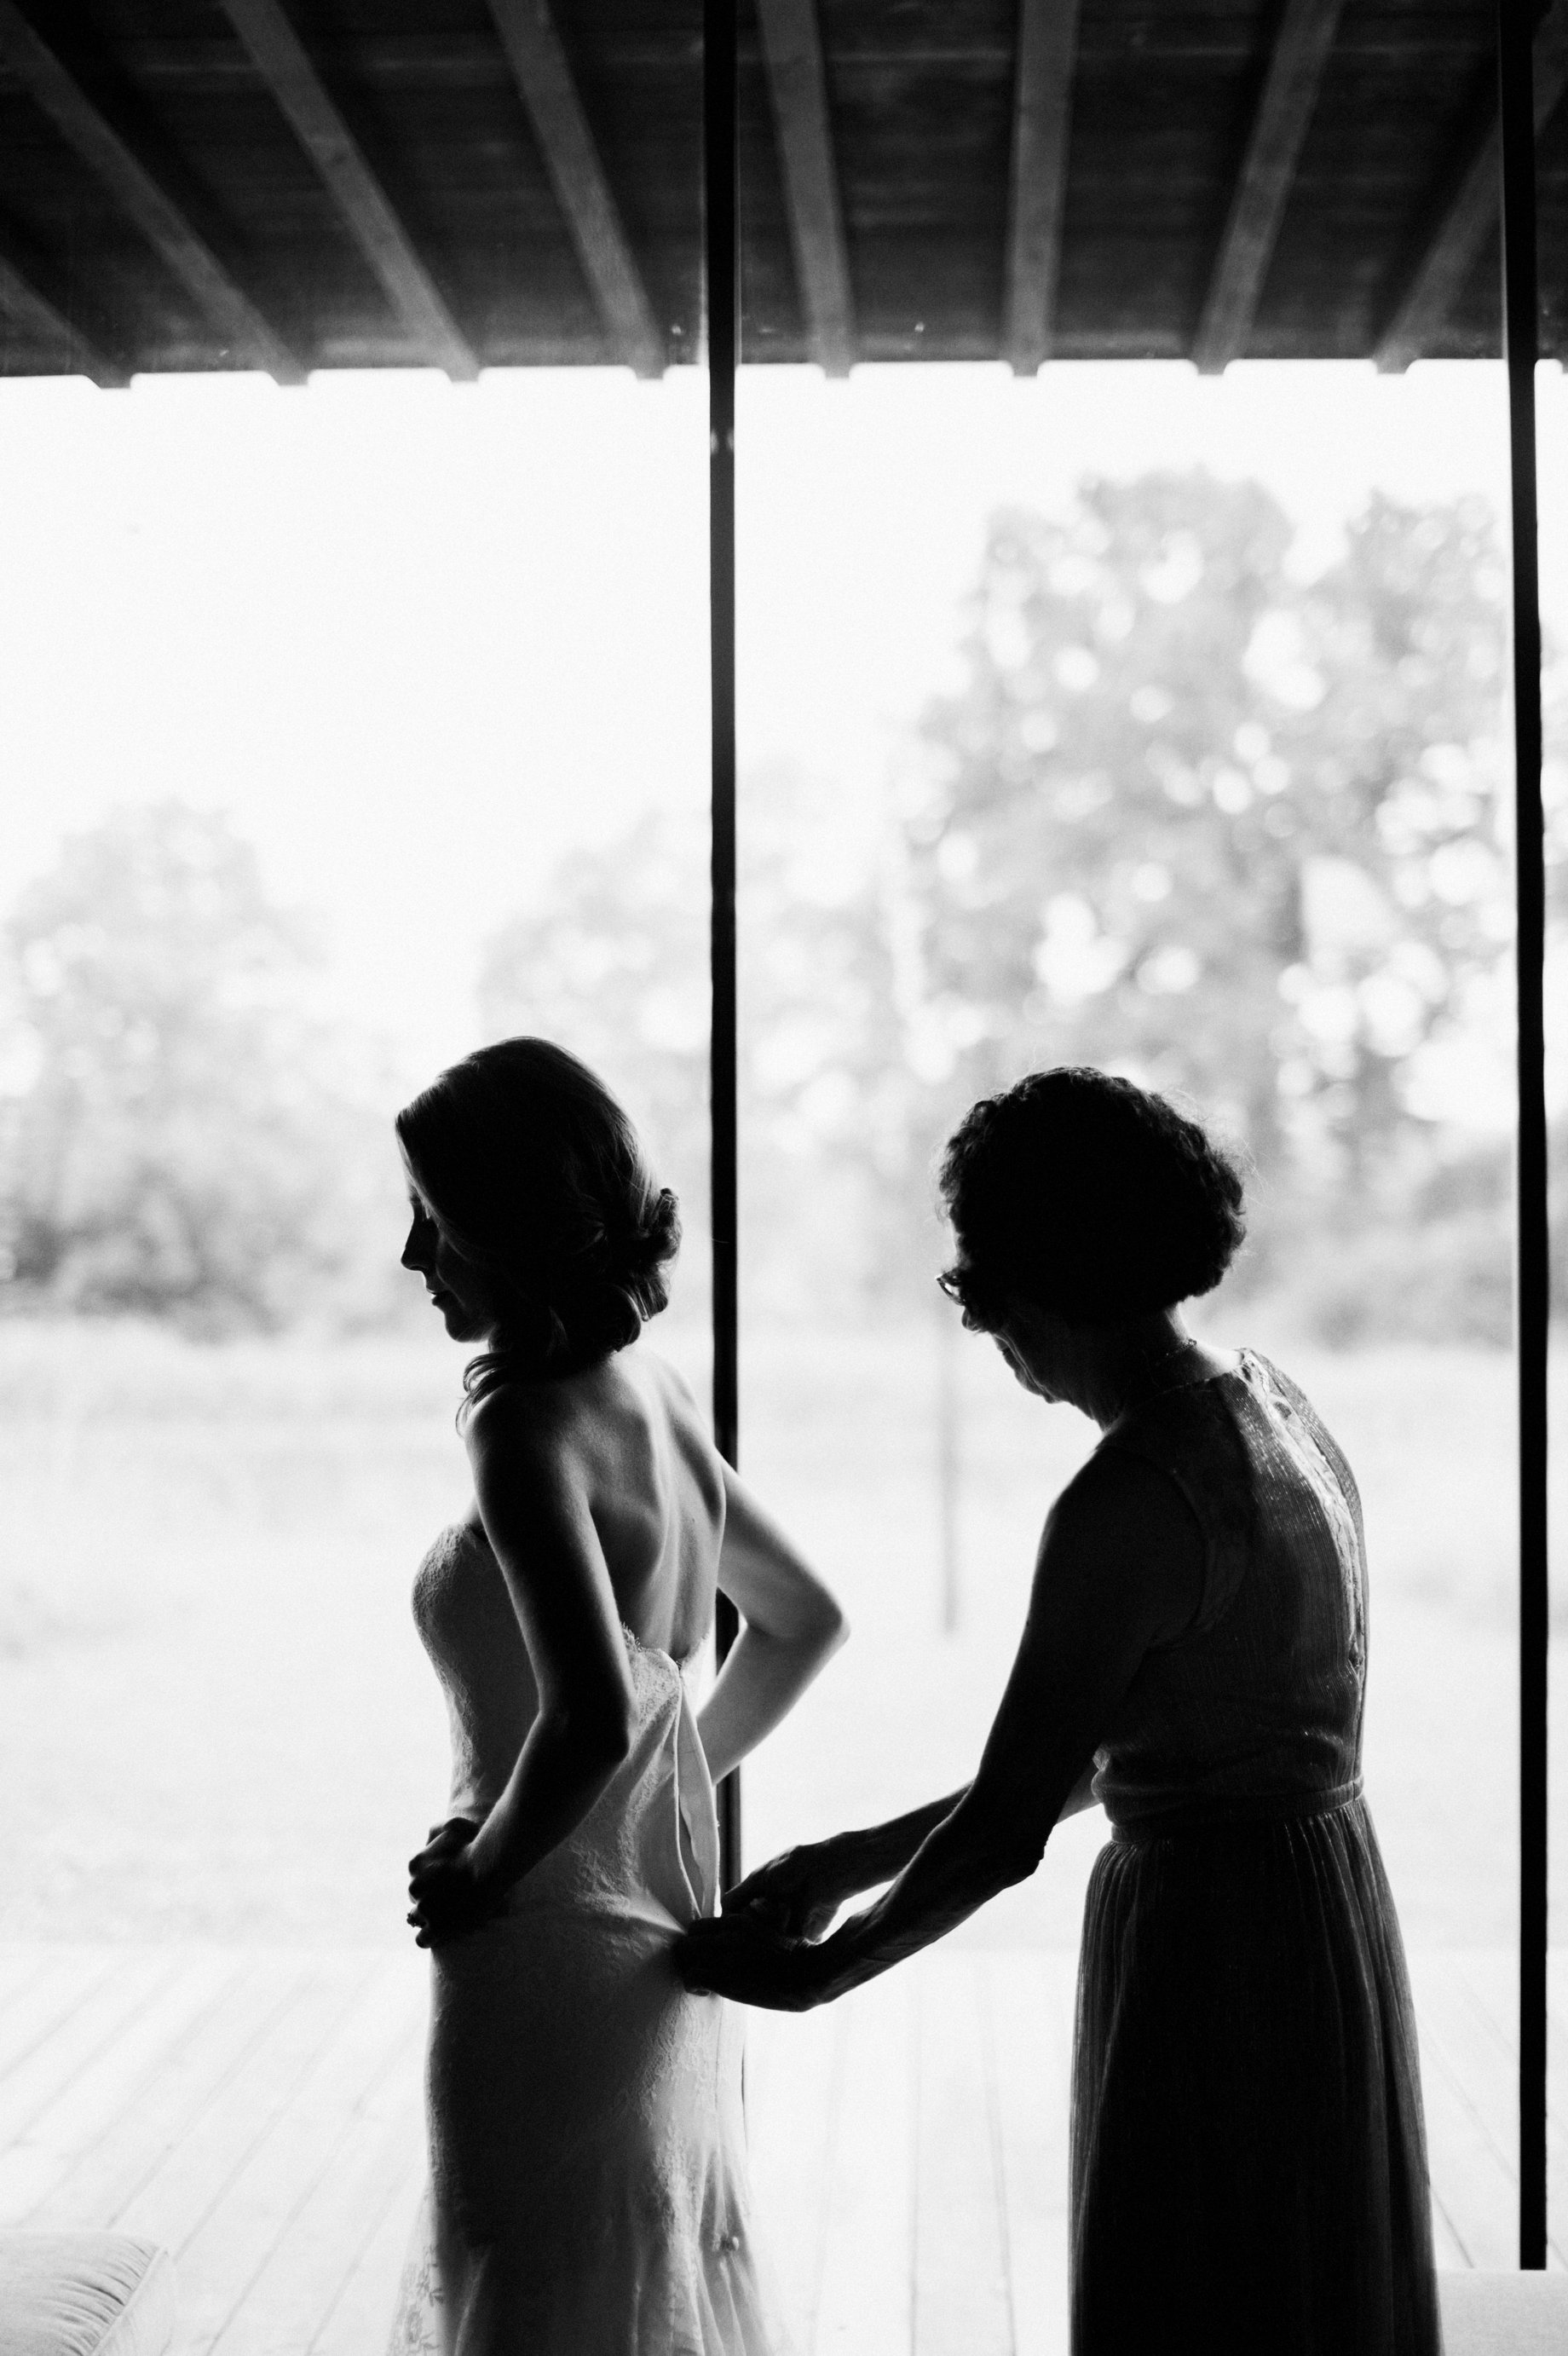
point(259, 2115)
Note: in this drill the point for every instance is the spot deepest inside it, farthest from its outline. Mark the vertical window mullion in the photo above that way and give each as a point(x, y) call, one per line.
point(721, 259)
point(1516, 108)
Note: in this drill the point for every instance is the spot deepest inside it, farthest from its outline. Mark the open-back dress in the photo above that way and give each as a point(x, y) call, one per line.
point(1249, 2167)
point(587, 2191)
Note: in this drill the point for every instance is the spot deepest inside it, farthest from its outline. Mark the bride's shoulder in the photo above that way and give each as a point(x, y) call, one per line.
point(520, 1420)
point(673, 1405)
point(665, 1379)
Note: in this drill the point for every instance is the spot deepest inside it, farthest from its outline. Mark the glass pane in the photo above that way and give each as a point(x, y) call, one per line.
point(1162, 730)
point(346, 727)
point(317, 784)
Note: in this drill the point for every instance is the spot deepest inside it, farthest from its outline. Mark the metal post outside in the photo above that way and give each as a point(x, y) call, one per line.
point(1516, 109)
point(723, 259)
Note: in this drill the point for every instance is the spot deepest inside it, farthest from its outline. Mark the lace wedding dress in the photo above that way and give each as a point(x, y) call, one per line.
point(587, 2185)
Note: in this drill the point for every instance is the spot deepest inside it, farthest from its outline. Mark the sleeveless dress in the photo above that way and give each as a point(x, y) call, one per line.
point(1248, 2157)
point(587, 2190)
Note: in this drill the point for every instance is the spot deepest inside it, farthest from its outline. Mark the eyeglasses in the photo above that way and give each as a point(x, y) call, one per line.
point(968, 1291)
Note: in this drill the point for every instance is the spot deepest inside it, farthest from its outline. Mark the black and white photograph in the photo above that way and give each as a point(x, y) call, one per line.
point(784, 1177)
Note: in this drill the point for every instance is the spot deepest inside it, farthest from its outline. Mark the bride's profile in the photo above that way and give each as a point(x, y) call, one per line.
point(587, 2191)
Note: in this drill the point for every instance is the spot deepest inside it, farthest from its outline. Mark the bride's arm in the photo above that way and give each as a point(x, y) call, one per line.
point(538, 1521)
point(790, 1624)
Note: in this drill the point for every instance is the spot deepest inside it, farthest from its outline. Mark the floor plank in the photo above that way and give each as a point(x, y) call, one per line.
point(85, 2035)
point(21, 1968)
point(310, 2265)
point(963, 2294)
point(1492, 1976)
point(36, 2163)
point(226, 2256)
point(1481, 2058)
point(794, 2063)
point(194, 2176)
point(258, 2113)
point(1029, 2006)
point(360, 2320)
point(108, 2173)
point(44, 2006)
point(865, 2301)
point(1474, 2183)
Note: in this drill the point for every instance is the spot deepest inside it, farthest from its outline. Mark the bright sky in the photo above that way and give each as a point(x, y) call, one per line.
point(418, 637)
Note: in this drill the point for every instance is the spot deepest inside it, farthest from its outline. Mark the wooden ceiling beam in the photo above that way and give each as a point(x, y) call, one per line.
point(283, 63)
point(792, 45)
point(1042, 126)
point(1462, 225)
point(33, 313)
point(1264, 183)
point(141, 196)
point(543, 77)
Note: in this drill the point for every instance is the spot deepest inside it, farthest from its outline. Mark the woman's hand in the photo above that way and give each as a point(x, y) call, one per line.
point(798, 1893)
point(743, 1957)
point(449, 1895)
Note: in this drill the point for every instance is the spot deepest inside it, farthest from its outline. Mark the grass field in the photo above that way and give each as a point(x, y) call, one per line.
point(216, 1722)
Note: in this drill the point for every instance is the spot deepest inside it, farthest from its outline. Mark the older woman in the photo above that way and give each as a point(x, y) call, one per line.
point(1248, 2168)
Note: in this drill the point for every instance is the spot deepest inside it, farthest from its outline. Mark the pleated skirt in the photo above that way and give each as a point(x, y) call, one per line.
point(1248, 2156)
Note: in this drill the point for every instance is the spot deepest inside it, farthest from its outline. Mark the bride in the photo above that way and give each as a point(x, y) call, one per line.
point(587, 2190)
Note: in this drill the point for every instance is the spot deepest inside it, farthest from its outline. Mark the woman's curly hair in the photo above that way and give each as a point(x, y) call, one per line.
point(1087, 1196)
point(534, 1174)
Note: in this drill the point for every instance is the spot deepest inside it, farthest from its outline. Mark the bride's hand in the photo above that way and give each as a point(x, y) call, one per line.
point(796, 1894)
point(449, 1896)
point(743, 1957)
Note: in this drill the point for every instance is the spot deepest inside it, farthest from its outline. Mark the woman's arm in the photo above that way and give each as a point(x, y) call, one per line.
point(800, 1891)
point(1082, 1795)
point(536, 1516)
point(1118, 1570)
point(790, 1627)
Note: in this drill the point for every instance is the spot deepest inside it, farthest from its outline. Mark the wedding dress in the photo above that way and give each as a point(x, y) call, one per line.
point(587, 2185)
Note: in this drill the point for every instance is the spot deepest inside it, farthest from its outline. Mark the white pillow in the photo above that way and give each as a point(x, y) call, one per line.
point(84, 2294)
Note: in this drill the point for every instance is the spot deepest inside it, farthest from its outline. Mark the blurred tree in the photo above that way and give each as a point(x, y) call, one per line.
point(1193, 817)
point(174, 1136)
point(614, 964)
point(1191, 814)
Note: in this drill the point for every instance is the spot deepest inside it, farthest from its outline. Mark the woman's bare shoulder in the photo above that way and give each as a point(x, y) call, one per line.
point(678, 1404)
point(663, 1375)
point(666, 1387)
point(529, 1426)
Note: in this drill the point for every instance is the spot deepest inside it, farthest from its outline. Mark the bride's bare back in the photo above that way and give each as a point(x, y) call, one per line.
point(630, 1437)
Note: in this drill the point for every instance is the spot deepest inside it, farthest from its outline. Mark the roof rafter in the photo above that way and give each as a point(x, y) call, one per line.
point(33, 312)
point(544, 79)
point(1042, 123)
point(1449, 254)
point(159, 219)
point(281, 60)
point(1263, 185)
point(792, 43)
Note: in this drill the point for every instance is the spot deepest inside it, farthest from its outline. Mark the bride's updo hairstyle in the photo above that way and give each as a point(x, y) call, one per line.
point(1088, 1196)
point(536, 1176)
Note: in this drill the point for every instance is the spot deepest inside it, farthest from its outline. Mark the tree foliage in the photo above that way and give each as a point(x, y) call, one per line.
point(174, 1132)
point(615, 964)
point(1188, 813)
point(1193, 817)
